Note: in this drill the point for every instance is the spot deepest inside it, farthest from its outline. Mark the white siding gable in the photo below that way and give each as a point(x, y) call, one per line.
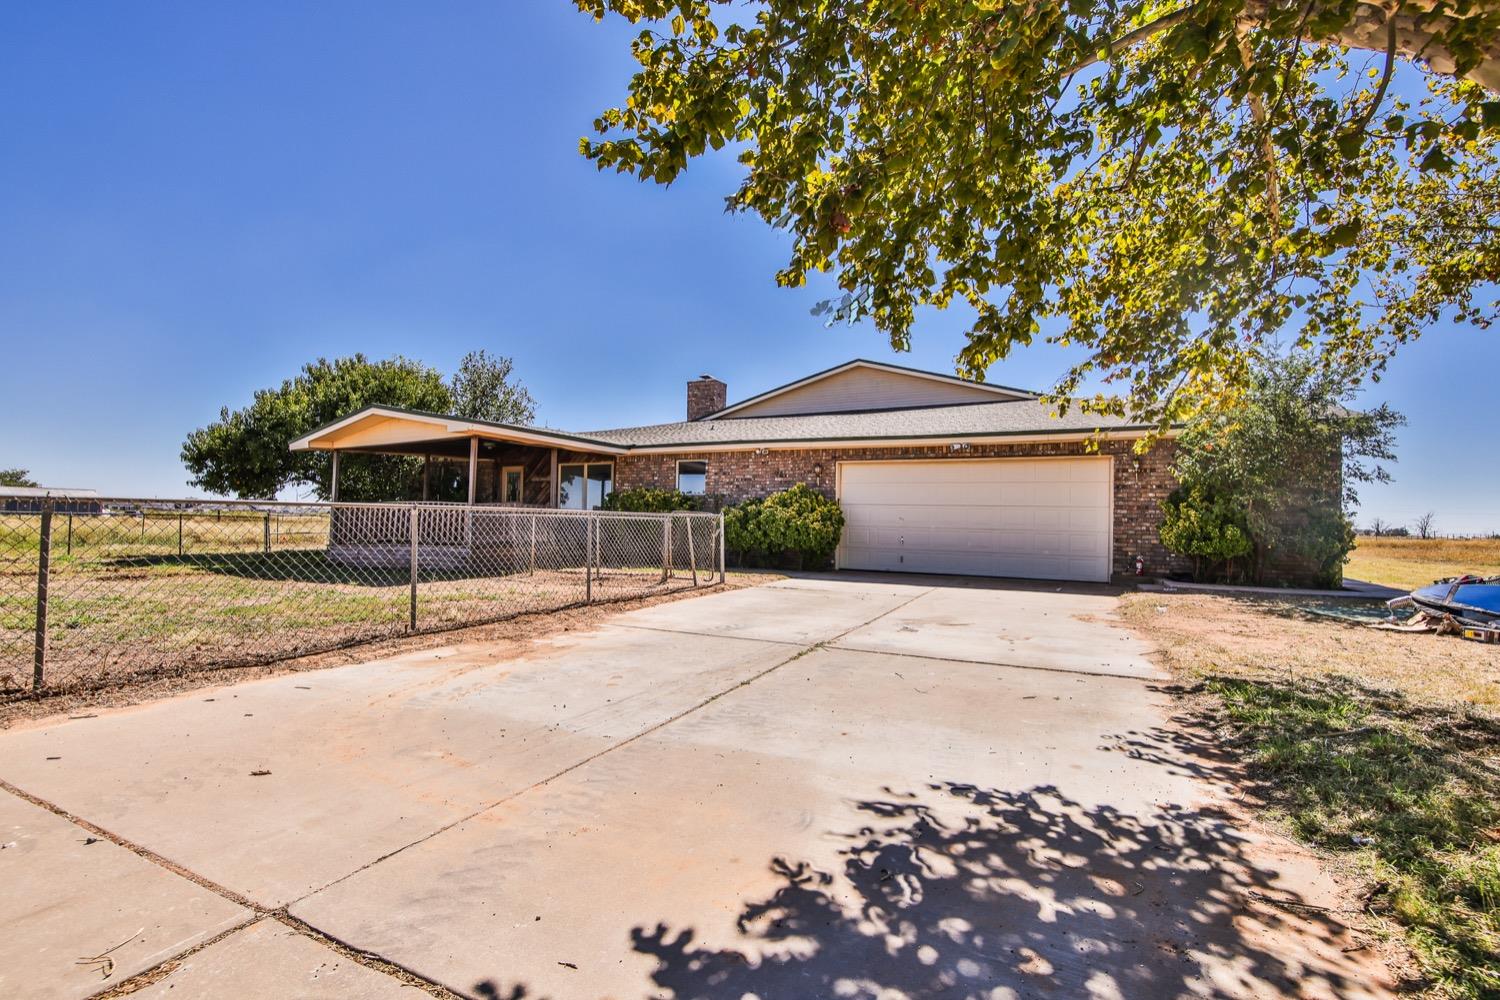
point(869, 388)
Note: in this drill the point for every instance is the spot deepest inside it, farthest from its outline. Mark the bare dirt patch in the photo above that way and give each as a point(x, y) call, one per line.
point(501, 639)
point(1287, 639)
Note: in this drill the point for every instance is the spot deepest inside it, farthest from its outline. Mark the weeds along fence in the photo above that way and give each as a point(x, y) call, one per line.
point(93, 594)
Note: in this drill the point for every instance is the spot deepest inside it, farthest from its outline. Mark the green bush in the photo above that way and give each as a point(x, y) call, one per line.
point(1324, 539)
point(1212, 529)
point(651, 501)
point(798, 527)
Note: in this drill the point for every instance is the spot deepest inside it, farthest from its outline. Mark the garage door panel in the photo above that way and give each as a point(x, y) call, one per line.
point(1088, 472)
point(1091, 495)
point(1041, 518)
point(1094, 519)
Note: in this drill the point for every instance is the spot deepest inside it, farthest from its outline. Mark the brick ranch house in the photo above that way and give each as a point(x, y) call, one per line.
point(934, 473)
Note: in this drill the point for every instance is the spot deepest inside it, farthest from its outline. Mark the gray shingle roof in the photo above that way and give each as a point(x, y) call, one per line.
point(967, 420)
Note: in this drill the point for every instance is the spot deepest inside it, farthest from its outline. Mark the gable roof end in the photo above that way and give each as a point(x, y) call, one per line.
point(1000, 391)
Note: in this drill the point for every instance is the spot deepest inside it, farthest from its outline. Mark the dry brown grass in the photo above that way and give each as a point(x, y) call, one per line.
point(1279, 639)
point(1409, 563)
point(1378, 748)
point(507, 638)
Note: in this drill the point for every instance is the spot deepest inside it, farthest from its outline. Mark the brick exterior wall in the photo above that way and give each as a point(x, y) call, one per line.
point(704, 396)
point(1141, 482)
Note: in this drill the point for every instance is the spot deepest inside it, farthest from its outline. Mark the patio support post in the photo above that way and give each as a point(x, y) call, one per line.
point(426, 475)
point(43, 573)
point(473, 467)
point(473, 481)
point(554, 477)
point(334, 491)
point(532, 564)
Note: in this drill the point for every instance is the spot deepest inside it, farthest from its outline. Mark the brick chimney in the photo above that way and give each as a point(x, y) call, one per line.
point(706, 395)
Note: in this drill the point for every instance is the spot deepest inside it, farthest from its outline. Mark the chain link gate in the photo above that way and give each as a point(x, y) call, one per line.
point(93, 592)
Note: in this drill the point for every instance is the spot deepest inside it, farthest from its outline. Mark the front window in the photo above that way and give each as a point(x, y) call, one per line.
point(692, 477)
point(583, 486)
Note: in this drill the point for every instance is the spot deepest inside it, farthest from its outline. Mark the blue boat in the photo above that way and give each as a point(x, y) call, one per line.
point(1473, 598)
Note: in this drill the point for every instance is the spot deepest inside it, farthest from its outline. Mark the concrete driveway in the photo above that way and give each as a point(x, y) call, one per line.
point(826, 787)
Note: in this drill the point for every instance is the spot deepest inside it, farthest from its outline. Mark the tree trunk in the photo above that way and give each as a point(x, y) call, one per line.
point(1419, 34)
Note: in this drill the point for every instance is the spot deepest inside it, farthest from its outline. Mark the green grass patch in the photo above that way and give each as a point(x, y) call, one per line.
point(1410, 793)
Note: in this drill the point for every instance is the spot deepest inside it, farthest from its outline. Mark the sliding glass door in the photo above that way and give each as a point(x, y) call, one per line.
point(583, 486)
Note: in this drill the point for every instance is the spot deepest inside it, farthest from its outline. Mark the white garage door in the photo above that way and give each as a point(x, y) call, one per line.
point(1045, 518)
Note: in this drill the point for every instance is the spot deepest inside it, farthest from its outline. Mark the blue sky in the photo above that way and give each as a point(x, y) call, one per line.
point(196, 198)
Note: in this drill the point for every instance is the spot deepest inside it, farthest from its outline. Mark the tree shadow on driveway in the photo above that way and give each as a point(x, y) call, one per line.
point(958, 891)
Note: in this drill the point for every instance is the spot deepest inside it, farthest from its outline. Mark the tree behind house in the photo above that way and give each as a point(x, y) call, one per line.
point(1288, 463)
point(245, 453)
point(483, 389)
point(16, 477)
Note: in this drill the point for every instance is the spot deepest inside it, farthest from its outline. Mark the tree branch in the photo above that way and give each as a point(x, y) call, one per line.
point(1131, 38)
point(1385, 77)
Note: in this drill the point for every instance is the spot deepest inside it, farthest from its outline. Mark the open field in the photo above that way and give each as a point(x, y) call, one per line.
point(1409, 563)
point(1381, 749)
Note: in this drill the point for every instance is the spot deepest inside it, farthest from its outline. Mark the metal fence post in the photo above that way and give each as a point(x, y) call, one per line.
point(266, 531)
point(588, 558)
point(721, 546)
point(666, 546)
point(43, 572)
point(70, 533)
point(692, 552)
point(179, 534)
point(415, 522)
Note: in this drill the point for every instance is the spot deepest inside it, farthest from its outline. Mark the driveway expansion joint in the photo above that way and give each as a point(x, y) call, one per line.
point(136, 849)
point(991, 663)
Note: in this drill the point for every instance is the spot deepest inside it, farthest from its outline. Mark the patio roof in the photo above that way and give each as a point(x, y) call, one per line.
point(391, 430)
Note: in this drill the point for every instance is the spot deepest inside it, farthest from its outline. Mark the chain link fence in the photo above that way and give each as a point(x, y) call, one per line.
point(94, 592)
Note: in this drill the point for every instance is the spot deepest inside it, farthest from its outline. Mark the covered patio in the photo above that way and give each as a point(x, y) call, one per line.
point(503, 471)
point(498, 463)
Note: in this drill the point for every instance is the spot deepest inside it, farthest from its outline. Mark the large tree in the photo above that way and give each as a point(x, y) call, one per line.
point(245, 452)
point(1170, 185)
point(16, 477)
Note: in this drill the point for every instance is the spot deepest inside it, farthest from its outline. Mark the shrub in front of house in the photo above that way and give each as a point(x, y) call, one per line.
point(646, 500)
point(1209, 528)
point(798, 528)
